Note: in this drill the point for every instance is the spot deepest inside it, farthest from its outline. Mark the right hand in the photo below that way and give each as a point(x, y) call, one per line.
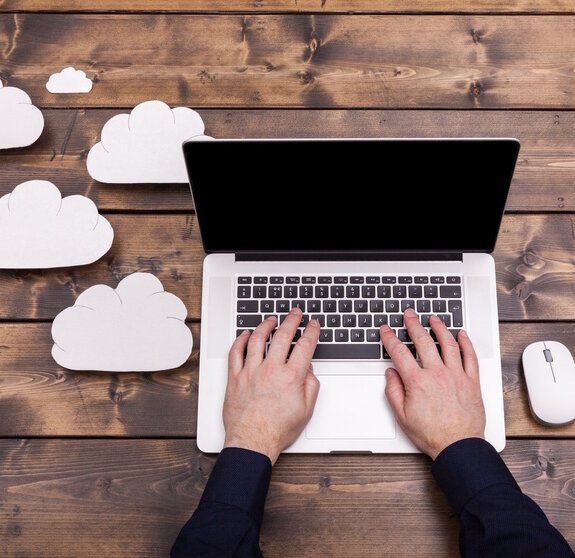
point(439, 402)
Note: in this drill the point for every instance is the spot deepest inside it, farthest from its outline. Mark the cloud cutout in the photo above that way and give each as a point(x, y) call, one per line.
point(40, 229)
point(21, 123)
point(69, 80)
point(145, 146)
point(137, 327)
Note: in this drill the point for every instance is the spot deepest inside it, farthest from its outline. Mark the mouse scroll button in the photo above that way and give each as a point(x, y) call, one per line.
point(548, 355)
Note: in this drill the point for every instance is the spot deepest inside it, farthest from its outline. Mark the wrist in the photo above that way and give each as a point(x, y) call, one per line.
point(269, 450)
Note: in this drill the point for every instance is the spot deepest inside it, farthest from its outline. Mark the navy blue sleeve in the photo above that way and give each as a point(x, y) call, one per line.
point(496, 518)
point(227, 520)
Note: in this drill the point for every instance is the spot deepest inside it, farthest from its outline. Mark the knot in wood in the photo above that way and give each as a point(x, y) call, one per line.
point(324, 482)
point(305, 78)
point(530, 258)
point(477, 36)
point(522, 290)
point(476, 89)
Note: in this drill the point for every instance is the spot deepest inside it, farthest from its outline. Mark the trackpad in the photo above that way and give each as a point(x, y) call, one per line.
point(352, 407)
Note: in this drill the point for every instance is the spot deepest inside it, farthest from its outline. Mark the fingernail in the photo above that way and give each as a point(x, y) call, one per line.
point(463, 333)
point(410, 312)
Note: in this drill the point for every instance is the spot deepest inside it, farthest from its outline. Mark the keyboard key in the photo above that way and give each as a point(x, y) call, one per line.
point(244, 280)
point(341, 335)
point(260, 291)
point(450, 291)
point(453, 280)
point(353, 351)
point(247, 306)
point(260, 280)
point(456, 312)
point(357, 336)
point(326, 336)
point(244, 291)
point(333, 320)
point(248, 320)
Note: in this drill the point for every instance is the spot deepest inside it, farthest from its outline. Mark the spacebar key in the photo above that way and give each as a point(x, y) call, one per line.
point(353, 351)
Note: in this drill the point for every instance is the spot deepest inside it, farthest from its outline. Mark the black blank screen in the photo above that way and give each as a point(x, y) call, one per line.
point(350, 195)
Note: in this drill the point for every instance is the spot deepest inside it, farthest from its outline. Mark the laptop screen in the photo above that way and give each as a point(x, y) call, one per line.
point(350, 195)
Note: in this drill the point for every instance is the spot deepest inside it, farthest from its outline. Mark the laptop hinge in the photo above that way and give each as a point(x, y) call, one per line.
point(348, 256)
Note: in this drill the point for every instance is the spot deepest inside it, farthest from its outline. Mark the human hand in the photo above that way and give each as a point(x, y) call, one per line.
point(440, 401)
point(269, 400)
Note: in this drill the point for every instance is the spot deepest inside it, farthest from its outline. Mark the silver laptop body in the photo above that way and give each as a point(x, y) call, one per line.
point(367, 212)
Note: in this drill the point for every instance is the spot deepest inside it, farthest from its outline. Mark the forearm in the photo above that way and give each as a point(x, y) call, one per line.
point(227, 521)
point(496, 518)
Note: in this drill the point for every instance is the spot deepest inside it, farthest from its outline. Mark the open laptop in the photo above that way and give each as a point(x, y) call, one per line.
point(353, 231)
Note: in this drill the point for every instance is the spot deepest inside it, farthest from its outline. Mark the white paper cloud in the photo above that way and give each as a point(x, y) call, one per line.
point(138, 327)
point(69, 80)
point(145, 145)
point(21, 123)
point(40, 229)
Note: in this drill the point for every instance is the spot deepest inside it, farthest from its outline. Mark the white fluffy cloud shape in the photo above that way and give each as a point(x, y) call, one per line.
point(69, 80)
point(145, 146)
point(21, 123)
point(137, 327)
point(40, 229)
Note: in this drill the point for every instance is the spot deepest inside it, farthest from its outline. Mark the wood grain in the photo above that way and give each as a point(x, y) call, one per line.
point(43, 399)
point(291, 6)
point(543, 178)
point(535, 269)
point(131, 497)
point(313, 61)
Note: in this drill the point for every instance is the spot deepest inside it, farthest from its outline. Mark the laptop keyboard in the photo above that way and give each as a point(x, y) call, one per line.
point(350, 308)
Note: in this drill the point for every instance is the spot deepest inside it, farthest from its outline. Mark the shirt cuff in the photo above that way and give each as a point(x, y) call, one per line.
point(240, 478)
point(466, 467)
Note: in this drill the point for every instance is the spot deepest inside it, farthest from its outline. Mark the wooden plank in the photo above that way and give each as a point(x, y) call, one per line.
point(131, 497)
point(543, 178)
point(166, 245)
point(39, 398)
point(289, 6)
point(314, 61)
point(535, 269)
point(536, 279)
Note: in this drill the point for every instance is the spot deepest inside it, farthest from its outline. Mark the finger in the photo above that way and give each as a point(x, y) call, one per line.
point(282, 339)
point(237, 352)
point(401, 356)
point(302, 353)
point(311, 392)
point(395, 393)
point(450, 350)
point(424, 343)
point(470, 362)
point(258, 340)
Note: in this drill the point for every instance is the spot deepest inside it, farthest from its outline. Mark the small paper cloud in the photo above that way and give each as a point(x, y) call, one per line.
point(69, 80)
point(145, 145)
point(21, 123)
point(40, 229)
point(137, 327)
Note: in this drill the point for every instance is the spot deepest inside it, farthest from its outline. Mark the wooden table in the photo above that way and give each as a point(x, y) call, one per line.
point(106, 464)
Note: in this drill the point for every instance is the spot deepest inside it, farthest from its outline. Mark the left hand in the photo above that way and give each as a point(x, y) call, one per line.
point(269, 400)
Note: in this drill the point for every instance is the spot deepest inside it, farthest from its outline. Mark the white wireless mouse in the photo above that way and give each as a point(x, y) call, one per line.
point(550, 376)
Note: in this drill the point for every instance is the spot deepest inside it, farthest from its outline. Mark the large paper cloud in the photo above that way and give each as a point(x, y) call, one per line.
point(21, 123)
point(145, 145)
point(137, 327)
point(40, 229)
point(69, 80)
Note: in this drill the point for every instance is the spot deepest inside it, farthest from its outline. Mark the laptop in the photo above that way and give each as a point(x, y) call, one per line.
point(353, 231)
